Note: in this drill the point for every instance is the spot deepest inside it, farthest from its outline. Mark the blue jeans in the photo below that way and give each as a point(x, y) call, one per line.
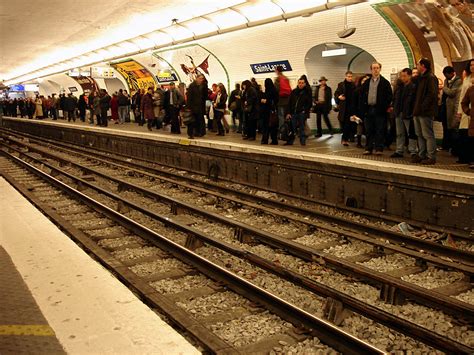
point(403, 131)
point(426, 138)
point(298, 121)
point(375, 127)
point(281, 115)
point(122, 113)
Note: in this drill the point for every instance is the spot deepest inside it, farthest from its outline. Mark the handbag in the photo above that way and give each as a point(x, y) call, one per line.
point(233, 106)
point(211, 113)
point(286, 132)
point(187, 117)
point(307, 130)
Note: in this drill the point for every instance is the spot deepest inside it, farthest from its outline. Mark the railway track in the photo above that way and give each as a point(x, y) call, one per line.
point(335, 302)
point(365, 220)
point(227, 302)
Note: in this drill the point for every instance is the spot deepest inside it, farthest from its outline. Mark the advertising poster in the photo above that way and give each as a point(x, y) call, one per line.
point(136, 75)
point(440, 30)
point(188, 61)
point(87, 83)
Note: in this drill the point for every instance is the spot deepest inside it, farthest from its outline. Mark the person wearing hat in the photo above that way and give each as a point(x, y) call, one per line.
point(322, 102)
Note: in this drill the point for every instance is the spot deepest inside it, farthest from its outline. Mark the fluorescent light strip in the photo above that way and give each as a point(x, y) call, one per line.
point(334, 52)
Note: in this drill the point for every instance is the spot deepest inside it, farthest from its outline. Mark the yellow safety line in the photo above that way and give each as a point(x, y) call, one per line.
point(36, 330)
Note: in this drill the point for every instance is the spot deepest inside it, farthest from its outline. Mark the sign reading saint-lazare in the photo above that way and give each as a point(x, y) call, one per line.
point(269, 67)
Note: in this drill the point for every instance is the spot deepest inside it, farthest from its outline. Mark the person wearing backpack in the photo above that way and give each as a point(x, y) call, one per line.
point(299, 104)
point(282, 85)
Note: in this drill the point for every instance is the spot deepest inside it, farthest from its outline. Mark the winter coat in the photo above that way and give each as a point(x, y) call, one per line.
point(123, 100)
point(426, 98)
point(220, 102)
point(69, 104)
point(466, 84)
point(114, 105)
point(384, 97)
point(147, 107)
point(300, 101)
point(467, 104)
point(250, 101)
point(403, 100)
point(105, 102)
point(452, 90)
point(96, 105)
point(195, 99)
point(347, 89)
point(233, 98)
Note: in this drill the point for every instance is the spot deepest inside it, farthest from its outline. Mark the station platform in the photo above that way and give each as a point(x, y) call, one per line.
point(327, 149)
point(55, 299)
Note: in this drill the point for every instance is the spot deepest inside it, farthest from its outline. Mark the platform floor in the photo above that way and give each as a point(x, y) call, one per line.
point(88, 310)
point(329, 145)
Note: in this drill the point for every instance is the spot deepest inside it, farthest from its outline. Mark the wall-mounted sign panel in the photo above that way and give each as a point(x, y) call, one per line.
point(102, 72)
point(16, 88)
point(32, 87)
point(269, 67)
point(77, 72)
point(72, 89)
point(165, 77)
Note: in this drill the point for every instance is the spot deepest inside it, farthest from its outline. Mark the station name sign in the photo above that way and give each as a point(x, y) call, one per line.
point(269, 67)
point(166, 77)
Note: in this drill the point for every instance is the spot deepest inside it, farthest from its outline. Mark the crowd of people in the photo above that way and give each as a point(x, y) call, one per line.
point(368, 106)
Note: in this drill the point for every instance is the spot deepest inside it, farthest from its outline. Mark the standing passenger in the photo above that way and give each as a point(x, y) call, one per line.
point(452, 93)
point(82, 106)
point(173, 102)
point(114, 108)
point(424, 111)
point(249, 99)
point(283, 88)
point(219, 108)
point(147, 108)
point(377, 97)
point(104, 107)
point(268, 113)
point(403, 100)
point(465, 154)
point(343, 97)
point(322, 101)
point(194, 103)
point(235, 106)
point(299, 104)
point(122, 107)
point(467, 104)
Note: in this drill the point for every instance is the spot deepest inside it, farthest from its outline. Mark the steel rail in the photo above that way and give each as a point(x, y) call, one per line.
point(325, 331)
point(354, 304)
point(368, 213)
point(467, 268)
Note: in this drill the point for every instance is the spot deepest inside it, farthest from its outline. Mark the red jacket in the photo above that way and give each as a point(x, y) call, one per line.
point(147, 107)
point(114, 107)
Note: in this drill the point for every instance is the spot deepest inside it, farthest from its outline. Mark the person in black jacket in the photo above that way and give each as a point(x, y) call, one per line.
point(299, 104)
point(82, 106)
point(250, 100)
point(322, 101)
point(173, 103)
point(219, 106)
point(195, 105)
point(343, 97)
point(424, 110)
point(104, 107)
point(268, 113)
point(235, 106)
point(376, 100)
point(403, 100)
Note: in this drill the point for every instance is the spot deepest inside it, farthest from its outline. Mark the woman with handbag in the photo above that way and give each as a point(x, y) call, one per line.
point(268, 112)
point(219, 106)
point(249, 99)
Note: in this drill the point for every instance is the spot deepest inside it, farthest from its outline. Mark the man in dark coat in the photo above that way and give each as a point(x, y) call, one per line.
point(299, 104)
point(147, 108)
point(173, 102)
point(322, 101)
point(343, 97)
point(403, 100)
point(424, 111)
point(104, 107)
point(70, 107)
point(376, 99)
point(195, 105)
